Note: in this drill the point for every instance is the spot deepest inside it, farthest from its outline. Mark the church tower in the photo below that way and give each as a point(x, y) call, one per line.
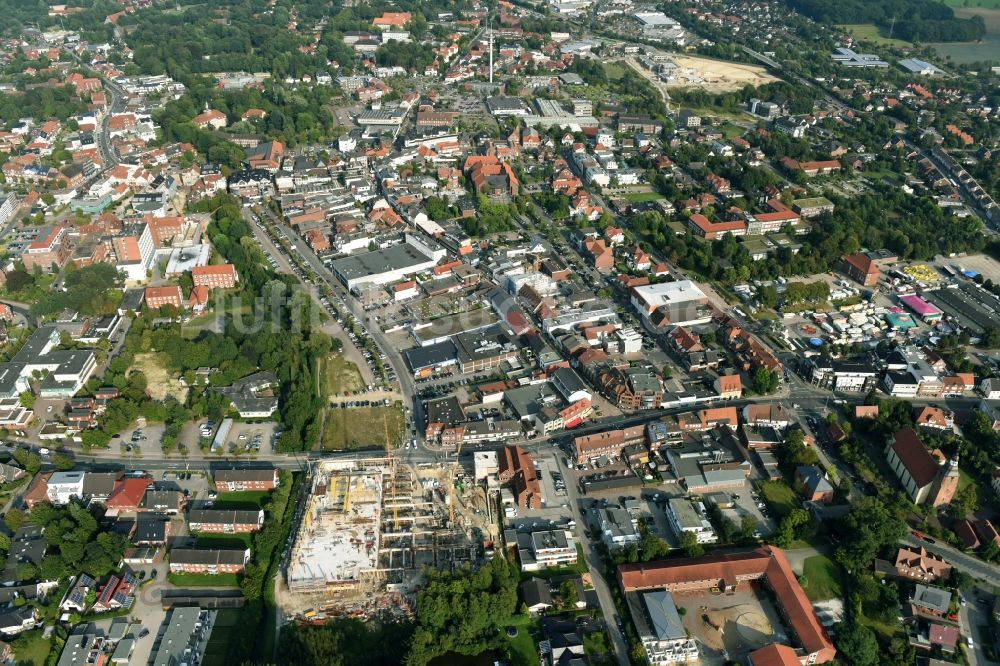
point(947, 483)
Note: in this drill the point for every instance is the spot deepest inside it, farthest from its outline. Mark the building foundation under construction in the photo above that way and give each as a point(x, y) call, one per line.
point(368, 530)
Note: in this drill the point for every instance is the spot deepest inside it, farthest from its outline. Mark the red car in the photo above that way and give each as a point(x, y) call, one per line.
point(917, 534)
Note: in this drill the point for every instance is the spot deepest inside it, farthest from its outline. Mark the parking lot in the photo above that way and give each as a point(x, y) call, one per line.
point(745, 504)
point(253, 438)
point(142, 439)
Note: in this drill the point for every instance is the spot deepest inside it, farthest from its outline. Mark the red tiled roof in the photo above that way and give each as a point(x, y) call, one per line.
point(768, 561)
point(127, 493)
point(774, 654)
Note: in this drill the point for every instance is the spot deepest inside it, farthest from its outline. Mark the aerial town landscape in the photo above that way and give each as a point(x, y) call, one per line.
point(478, 332)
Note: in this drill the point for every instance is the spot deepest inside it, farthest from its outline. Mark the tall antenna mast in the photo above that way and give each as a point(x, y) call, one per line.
point(489, 26)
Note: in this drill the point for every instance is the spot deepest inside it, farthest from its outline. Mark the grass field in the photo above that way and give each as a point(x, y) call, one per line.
point(614, 71)
point(779, 496)
point(218, 642)
point(730, 131)
point(642, 197)
point(869, 32)
point(203, 580)
point(31, 649)
point(223, 540)
point(363, 428)
point(342, 375)
point(248, 499)
point(523, 651)
point(821, 578)
point(974, 4)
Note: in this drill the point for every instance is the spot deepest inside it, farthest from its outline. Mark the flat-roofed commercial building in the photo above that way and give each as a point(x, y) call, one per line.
point(389, 265)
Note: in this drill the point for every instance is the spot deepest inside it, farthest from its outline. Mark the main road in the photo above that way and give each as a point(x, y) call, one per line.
point(395, 359)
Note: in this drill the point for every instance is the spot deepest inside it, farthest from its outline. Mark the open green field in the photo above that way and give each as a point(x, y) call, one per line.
point(614, 70)
point(974, 4)
point(363, 428)
point(341, 375)
point(730, 131)
point(642, 197)
point(218, 642)
point(248, 499)
point(821, 578)
point(203, 580)
point(31, 649)
point(779, 496)
point(869, 32)
point(223, 541)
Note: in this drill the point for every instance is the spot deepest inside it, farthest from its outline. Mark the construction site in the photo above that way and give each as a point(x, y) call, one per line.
point(369, 529)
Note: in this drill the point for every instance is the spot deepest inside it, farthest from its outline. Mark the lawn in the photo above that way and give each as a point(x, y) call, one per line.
point(779, 496)
point(218, 643)
point(222, 541)
point(247, 499)
point(964, 479)
point(522, 648)
point(976, 4)
point(821, 578)
point(598, 647)
point(869, 32)
point(203, 580)
point(642, 197)
point(31, 649)
point(730, 131)
point(614, 71)
point(886, 629)
point(363, 428)
point(341, 375)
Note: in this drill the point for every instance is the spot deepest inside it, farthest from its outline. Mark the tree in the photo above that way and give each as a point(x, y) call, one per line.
point(870, 525)
point(765, 381)
point(788, 528)
point(27, 399)
point(567, 591)
point(29, 460)
point(748, 525)
point(689, 542)
point(13, 519)
point(63, 463)
point(857, 644)
point(26, 571)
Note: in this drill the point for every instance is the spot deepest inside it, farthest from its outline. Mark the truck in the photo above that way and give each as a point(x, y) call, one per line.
point(221, 434)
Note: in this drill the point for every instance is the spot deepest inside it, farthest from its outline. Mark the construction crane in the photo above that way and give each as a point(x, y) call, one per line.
point(451, 484)
point(392, 452)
